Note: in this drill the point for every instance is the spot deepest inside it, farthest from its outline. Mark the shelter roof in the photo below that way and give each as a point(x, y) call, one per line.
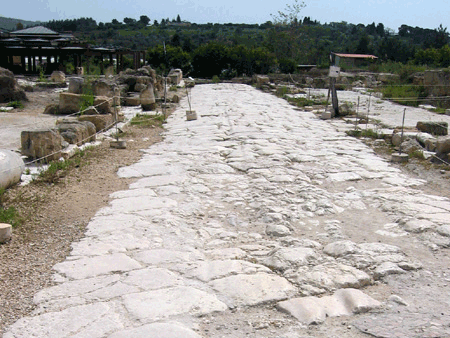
point(356, 56)
point(39, 30)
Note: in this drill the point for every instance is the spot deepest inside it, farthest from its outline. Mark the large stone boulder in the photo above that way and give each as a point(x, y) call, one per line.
point(11, 168)
point(103, 105)
point(443, 145)
point(101, 122)
point(58, 76)
point(261, 80)
point(69, 103)
point(44, 143)
point(175, 76)
point(8, 87)
point(434, 128)
point(76, 85)
point(102, 88)
point(76, 132)
point(147, 97)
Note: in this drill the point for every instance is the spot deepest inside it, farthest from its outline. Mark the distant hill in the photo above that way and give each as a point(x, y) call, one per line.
point(10, 24)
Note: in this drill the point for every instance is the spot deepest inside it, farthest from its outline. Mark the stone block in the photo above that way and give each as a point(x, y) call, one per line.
point(103, 105)
point(75, 131)
point(132, 101)
point(443, 145)
point(326, 115)
point(5, 232)
point(191, 115)
point(69, 103)
point(102, 88)
point(58, 76)
point(434, 128)
point(399, 158)
point(42, 143)
point(76, 85)
point(52, 109)
point(101, 122)
point(175, 75)
point(261, 80)
point(147, 96)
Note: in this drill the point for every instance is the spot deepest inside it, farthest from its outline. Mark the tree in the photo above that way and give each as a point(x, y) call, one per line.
point(178, 18)
point(155, 23)
point(129, 21)
point(144, 20)
point(441, 38)
point(291, 14)
point(19, 26)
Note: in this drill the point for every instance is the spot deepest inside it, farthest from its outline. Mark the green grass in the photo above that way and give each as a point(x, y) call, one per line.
point(15, 104)
point(405, 95)
point(145, 121)
point(303, 101)
point(9, 215)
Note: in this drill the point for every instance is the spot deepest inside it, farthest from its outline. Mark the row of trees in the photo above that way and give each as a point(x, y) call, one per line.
point(280, 44)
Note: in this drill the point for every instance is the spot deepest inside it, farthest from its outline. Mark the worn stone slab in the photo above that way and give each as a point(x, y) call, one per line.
point(92, 320)
point(152, 278)
point(134, 204)
point(96, 266)
point(210, 270)
point(340, 248)
point(75, 288)
point(277, 230)
point(328, 277)
point(164, 303)
point(248, 290)
point(286, 258)
point(314, 310)
point(158, 257)
point(157, 330)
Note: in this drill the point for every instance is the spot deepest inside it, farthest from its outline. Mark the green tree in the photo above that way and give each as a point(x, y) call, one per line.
point(144, 20)
point(178, 18)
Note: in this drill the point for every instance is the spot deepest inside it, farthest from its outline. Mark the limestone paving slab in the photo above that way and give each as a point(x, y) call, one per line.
point(160, 304)
point(96, 266)
point(157, 330)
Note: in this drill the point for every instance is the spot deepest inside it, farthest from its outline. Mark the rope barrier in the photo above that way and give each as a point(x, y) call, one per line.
point(83, 140)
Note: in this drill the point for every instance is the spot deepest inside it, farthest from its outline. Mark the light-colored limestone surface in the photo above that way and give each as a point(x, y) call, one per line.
point(251, 209)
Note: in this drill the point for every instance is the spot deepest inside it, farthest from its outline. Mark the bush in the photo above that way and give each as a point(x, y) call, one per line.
point(15, 104)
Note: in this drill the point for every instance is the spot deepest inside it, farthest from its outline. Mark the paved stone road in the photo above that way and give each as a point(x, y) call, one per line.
point(238, 221)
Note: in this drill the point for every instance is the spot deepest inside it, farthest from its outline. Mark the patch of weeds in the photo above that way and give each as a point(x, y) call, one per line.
point(439, 110)
point(418, 154)
point(145, 121)
point(173, 89)
point(405, 95)
point(303, 101)
point(58, 169)
point(282, 91)
point(8, 215)
point(215, 79)
point(15, 104)
point(87, 96)
point(41, 77)
point(368, 133)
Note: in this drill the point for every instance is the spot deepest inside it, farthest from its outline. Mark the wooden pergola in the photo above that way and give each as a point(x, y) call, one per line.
point(24, 52)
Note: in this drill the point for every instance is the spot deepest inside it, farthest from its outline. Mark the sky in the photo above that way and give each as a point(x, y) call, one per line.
point(392, 13)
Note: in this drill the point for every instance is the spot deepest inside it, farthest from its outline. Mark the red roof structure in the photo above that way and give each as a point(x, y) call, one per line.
point(356, 56)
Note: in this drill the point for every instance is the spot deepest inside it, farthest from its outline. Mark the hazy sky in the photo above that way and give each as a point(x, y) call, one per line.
point(392, 13)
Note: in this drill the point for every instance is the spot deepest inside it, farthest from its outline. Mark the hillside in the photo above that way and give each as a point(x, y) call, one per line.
point(10, 24)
